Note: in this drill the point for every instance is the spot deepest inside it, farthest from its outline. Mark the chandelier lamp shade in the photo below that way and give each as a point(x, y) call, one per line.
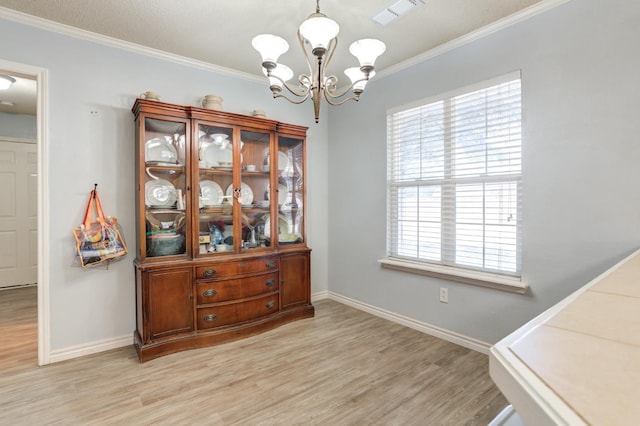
point(318, 37)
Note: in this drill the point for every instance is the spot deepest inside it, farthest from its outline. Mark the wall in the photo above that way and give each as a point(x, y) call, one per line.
point(20, 126)
point(581, 204)
point(91, 90)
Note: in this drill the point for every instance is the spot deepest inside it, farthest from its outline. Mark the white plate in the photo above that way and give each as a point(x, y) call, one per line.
point(160, 150)
point(283, 161)
point(159, 193)
point(210, 193)
point(214, 156)
point(247, 193)
point(285, 227)
point(283, 193)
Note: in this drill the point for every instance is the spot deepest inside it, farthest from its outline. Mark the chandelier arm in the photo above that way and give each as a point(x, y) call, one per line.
point(330, 101)
point(294, 91)
point(306, 53)
point(293, 101)
point(333, 95)
point(332, 48)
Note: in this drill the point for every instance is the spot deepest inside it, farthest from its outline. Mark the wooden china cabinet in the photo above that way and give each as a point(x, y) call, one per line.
point(220, 207)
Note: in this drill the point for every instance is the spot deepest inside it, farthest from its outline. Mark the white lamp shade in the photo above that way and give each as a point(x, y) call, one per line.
point(319, 31)
point(355, 74)
point(6, 81)
point(270, 46)
point(367, 50)
point(282, 71)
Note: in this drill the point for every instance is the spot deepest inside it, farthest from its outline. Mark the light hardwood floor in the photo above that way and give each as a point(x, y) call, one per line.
point(343, 367)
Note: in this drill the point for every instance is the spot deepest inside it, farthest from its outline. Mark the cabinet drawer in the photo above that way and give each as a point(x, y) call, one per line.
point(220, 291)
point(230, 269)
point(234, 313)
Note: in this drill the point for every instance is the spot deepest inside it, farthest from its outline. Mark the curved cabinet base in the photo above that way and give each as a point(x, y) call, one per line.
point(213, 337)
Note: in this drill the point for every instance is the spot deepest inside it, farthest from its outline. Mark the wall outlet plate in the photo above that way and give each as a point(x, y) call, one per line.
point(444, 295)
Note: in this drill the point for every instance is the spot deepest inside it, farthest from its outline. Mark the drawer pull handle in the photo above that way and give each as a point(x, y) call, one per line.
point(270, 304)
point(210, 318)
point(271, 264)
point(209, 272)
point(209, 293)
point(269, 283)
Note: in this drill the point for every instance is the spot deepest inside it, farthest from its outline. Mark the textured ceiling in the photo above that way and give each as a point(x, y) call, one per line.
point(220, 32)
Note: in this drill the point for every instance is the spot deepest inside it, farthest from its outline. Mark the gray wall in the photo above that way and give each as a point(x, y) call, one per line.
point(20, 126)
point(91, 139)
point(581, 166)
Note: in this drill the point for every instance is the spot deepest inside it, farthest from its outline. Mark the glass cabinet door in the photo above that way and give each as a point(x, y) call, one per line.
point(290, 191)
point(255, 190)
point(164, 187)
point(214, 190)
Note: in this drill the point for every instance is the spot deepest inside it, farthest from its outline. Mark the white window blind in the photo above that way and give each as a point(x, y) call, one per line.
point(454, 179)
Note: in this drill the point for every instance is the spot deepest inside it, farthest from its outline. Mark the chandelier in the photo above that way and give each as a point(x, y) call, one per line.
point(318, 38)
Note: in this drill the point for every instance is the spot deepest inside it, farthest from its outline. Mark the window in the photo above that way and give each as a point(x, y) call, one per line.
point(454, 179)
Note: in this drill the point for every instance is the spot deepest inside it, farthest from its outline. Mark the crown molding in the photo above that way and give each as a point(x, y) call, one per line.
point(501, 24)
point(80, 34)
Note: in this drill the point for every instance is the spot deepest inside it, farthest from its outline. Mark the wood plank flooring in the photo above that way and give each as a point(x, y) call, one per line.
point(343, 367)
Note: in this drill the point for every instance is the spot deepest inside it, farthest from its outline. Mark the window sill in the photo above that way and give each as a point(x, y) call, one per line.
point(498, 282)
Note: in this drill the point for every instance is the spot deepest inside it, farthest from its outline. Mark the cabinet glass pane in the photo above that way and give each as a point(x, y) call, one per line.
point(215, 189)
point(164, 187)
point(290, 165)
point(255, 190)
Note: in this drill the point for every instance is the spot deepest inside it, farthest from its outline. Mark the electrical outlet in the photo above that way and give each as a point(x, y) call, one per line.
point(444, 295)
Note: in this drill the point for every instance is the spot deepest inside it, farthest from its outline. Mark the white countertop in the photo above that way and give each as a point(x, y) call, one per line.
point(579, 361)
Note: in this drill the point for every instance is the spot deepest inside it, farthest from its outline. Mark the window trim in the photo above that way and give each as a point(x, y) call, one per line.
point(467, 276)
point(505, 282)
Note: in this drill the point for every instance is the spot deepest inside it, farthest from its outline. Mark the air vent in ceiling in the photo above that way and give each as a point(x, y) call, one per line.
point(395, 10)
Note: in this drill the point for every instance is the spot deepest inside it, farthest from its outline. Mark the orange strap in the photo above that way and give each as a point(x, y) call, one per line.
point(93, 198)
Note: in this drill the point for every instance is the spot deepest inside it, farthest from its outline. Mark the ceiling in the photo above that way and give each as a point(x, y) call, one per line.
point(220, 32)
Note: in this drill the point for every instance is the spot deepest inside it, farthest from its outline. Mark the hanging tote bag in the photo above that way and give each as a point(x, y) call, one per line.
point(99, 241)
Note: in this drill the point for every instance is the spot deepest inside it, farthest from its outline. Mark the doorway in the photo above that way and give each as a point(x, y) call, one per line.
point(26, 182)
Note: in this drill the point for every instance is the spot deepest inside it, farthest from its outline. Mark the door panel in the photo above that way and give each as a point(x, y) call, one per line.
point(294, 280)
point(18, 213)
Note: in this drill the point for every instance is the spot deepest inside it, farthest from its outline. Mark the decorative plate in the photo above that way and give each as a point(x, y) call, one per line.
point(216, 157)
point(283, 193)
point(285, 227)
point(159, 193)
point(210, 193)
point(283, 161)
point(160, 150)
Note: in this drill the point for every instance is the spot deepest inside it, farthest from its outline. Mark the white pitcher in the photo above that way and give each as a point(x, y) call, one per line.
point(212, 102)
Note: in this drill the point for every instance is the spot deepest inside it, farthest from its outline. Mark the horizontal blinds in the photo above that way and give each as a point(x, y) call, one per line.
point(454, 170)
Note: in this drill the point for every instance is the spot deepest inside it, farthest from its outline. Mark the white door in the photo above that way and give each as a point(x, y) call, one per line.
point(18, 213)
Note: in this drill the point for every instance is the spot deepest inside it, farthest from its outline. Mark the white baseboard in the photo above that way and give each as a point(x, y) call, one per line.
point(432, 330)
point(90, 348)
point(450, 336)
point(321, 295)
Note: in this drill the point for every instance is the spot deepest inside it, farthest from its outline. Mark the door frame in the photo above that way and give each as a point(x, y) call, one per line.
point(42, 114)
